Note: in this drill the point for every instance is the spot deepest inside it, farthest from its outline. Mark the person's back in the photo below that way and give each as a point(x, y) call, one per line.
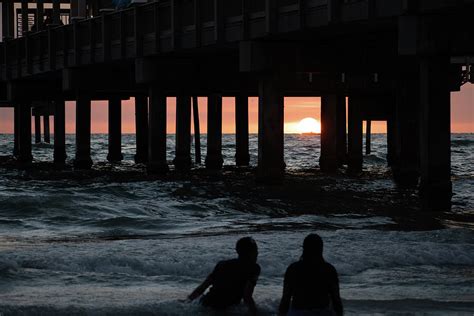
point(230, 278)
point(311, 285)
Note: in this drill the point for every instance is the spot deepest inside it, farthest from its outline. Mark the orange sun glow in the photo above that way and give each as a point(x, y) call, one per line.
point(309, 125)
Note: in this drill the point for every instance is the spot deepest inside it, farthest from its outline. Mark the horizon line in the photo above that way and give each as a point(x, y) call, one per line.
point(318, 134)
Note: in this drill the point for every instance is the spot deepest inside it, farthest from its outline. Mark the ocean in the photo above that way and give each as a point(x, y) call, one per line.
point(114, 241)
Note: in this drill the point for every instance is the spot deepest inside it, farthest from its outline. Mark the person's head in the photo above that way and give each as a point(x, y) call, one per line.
point(312, 247)
point(247, 249)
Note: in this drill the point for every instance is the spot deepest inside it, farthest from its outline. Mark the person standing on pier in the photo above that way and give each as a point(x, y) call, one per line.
point(232, 280)
point(311, 285)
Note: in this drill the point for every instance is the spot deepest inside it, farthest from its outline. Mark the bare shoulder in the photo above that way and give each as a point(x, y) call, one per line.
point(331, 269)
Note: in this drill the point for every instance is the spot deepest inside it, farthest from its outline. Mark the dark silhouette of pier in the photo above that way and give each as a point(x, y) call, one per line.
point(395, 60)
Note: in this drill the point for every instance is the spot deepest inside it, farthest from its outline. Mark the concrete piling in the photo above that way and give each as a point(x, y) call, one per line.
point(115, 130)
point(197, 130)
point(25, 155)
point(37, 129)
point(16, 130)
point(271, 164)
point(355, 135)
point(157, 132)
point(391, 141)
point(435, 131)
point(341, 126)
point(83, 133)
point(46, 129)
point(141, 128)
point(405, 166)
point(214, 159)
point(368, 134)
point(182, 160)
point(329, 161)
point(59, 133)
point(242, 156)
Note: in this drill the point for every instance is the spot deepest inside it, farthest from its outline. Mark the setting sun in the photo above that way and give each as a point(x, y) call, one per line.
point(309, 125)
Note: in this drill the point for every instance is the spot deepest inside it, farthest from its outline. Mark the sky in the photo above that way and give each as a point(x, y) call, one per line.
point(296, 109)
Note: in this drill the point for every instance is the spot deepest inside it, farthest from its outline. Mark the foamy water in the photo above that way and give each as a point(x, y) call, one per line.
point(101, 247)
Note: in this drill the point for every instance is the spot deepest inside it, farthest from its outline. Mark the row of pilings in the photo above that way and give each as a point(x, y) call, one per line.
point(409, 157)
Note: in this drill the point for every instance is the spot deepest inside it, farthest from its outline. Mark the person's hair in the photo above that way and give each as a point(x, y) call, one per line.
point(246, 246)
point(312, 247)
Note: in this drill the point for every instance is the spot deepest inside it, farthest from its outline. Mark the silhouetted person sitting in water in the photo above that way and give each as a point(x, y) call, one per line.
point(232, 280)
point(311, 285)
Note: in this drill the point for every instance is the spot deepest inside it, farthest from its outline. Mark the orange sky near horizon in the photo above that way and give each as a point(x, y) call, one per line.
point(296, 109)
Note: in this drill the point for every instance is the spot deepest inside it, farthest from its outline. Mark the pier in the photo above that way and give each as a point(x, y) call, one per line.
point(396, 61)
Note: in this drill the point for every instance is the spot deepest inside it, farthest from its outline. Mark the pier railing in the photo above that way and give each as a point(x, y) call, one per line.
point(170, 25)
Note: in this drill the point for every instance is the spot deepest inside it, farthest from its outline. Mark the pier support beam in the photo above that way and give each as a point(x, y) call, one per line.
point(115, 130)
point(182, 161)
point(83, 133)
point(25, 155)
point(59, 133)
point(435, 131)
point(329, 161)
point(271, 164)
point(197, 130)
point(341, 142)
point(391, 141)
point(141, 129)
point(242, 156)
point(16, 130)
point(157, 132)
point(405, 166)
point(46, 129)
point(37, 129)
point(368, 134)
point(214, 159)
point(355, 135)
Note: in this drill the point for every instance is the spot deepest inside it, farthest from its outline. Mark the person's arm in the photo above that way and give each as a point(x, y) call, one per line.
point(248, 298)
point(286, 297)
point(248, 291)
point(335, 295)
point(201, 288)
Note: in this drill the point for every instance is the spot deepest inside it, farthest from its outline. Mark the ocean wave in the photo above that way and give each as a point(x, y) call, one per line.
point(6, 267)
point(267, 307)
point(351, 252)
point(462, 142)
point(374, 159)
point(42, 145)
